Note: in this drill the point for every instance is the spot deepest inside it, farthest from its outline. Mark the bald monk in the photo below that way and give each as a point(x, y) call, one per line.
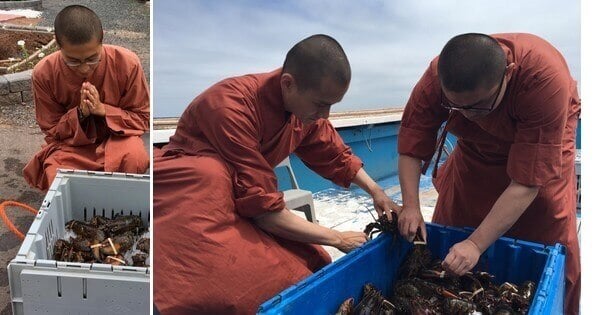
point(514, 107)
point(225, 241)
point(91, 102)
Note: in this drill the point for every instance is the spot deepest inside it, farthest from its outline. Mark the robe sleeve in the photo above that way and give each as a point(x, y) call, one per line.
point(55, 120)
point(235, 136)
point(422, 117)
point(324, 152)
point(535, 157)
point(132, 116)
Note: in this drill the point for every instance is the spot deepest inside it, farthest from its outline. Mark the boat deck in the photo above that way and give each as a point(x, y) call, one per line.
point(352, 209)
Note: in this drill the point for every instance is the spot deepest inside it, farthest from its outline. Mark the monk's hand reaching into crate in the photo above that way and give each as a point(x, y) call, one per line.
point(409, 220)
point(384, 204)
point(92, 99)
point(462, 257)
point(349, 240)
point(287, 225)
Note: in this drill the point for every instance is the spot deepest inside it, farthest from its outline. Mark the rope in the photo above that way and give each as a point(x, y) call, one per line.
point(368, 141)
point(7, 221)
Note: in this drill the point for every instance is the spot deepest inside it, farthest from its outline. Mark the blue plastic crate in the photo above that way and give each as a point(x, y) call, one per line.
point(378, 261)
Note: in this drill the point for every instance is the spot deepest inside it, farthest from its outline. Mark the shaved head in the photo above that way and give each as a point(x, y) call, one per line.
point(77, 25)
point(315, 58)
point(471, 61)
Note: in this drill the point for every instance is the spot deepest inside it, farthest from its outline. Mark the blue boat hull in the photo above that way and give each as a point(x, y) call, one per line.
point(375, 144)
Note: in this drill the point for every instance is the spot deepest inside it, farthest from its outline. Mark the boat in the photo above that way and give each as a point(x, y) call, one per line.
point(373, 136)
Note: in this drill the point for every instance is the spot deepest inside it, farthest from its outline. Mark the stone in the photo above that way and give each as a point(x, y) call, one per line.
point(20, 81)
point(27, 96)
point(3, 85)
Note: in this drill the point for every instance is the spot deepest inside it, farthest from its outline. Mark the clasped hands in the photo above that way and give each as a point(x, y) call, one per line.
point(90, 101)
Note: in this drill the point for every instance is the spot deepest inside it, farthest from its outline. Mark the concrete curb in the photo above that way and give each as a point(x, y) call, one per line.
point(13, 27)
point(35, 4)
point(15, 88)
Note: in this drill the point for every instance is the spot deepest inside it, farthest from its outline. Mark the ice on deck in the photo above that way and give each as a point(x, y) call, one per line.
point(348, 210)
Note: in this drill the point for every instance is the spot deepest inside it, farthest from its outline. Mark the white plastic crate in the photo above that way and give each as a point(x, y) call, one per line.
point(41, 285)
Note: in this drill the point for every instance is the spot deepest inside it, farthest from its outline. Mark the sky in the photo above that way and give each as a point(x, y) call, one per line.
point(389, 43)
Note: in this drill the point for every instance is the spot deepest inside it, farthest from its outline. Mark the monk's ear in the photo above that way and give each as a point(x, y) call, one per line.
point(510, 69)
point(287, 82)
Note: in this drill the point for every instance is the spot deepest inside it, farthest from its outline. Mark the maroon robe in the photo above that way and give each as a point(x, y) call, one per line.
point(215, 175)
point(111, 143)
point(528, 138)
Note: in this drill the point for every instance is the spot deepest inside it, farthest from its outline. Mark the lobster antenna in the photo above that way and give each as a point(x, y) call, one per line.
point(371, 213)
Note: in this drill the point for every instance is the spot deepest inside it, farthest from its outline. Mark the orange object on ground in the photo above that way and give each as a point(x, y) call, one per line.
point(111, 143)
point(4, 17)
point(213, 178)
point(7, 221)
point(529, 138)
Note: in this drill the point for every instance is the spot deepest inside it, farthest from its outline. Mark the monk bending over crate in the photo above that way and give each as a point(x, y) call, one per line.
point(225, 241)
point(513, 105)
point(91, 102)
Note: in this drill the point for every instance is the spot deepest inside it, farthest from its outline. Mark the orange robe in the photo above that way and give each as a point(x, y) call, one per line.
point(213, 177)
point(529, 138)
point(111, 143)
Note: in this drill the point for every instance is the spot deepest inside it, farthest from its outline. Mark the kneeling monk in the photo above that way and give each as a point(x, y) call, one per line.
point(224, 240)
point(91, 102)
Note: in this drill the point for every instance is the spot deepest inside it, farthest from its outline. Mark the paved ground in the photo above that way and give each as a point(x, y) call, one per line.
point(17, 144)
point(126, 23)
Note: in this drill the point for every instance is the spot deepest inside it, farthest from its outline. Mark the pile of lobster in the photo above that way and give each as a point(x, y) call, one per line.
point(117, 241)
point(424, 287)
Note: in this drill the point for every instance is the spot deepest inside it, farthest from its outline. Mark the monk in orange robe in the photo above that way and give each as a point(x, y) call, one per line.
point(224, 240)
point(91, 102)
point(514, 107)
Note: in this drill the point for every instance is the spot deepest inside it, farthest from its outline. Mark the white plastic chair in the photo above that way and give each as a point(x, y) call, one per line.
point(296, 198)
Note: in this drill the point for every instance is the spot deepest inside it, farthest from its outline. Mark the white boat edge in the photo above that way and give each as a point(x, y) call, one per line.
point(164, 128)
